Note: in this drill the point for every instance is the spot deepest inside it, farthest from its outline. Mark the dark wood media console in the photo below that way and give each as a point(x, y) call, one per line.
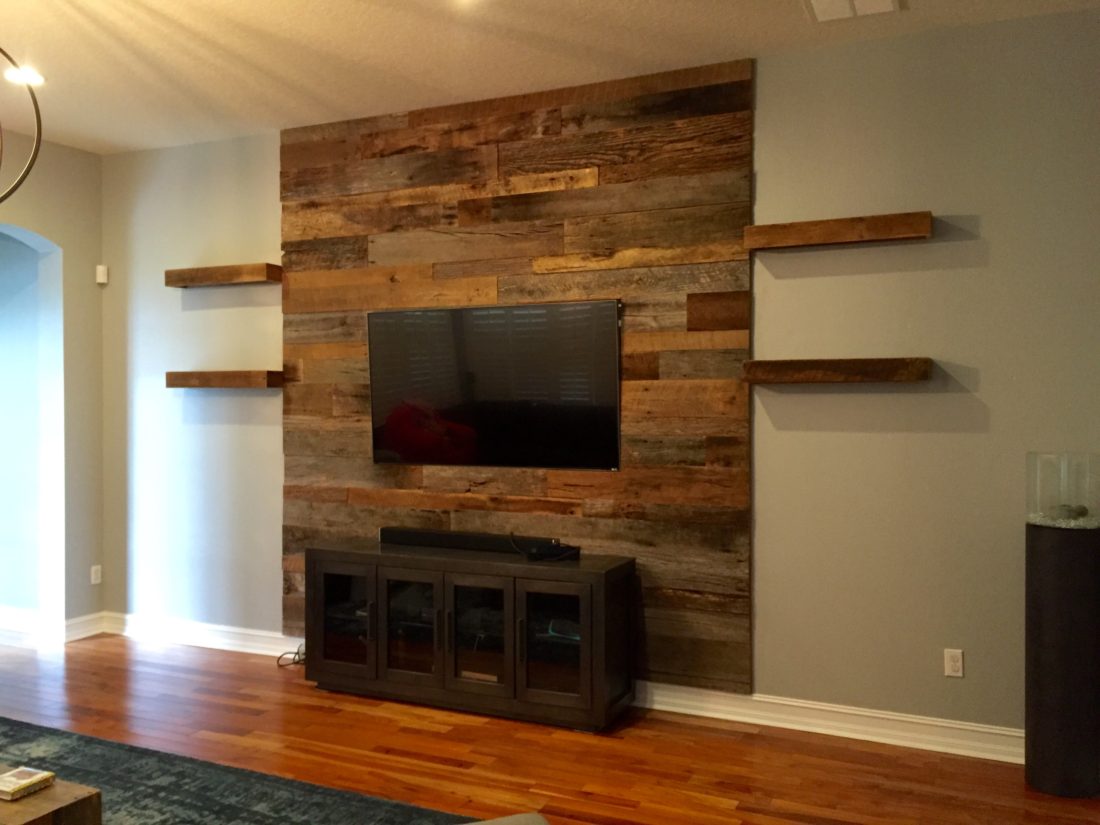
point(472, 630)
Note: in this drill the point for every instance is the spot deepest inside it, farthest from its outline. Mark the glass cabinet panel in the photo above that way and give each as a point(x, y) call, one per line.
point(555, 639)
point(347, 623)
point(480, 640)
point(410, 626)
point(554, 642)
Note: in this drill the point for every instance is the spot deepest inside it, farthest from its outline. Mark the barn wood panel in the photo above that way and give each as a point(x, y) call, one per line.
point(634, 189)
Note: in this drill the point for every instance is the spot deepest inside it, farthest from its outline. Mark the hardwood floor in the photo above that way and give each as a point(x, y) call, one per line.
point(656, 769)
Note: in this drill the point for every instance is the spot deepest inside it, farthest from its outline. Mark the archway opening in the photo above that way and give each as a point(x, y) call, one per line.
point(32, 441)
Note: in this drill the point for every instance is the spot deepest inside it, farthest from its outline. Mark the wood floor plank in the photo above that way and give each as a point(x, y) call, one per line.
point(655, 768)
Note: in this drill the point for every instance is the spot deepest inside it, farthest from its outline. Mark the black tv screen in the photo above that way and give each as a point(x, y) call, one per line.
point(535, 385)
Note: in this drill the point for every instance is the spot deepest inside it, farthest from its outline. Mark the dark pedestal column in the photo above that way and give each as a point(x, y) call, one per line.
point(1062, 703)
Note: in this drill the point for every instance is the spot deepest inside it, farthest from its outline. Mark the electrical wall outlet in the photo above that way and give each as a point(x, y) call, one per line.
point(97, 574)
point(952, 662)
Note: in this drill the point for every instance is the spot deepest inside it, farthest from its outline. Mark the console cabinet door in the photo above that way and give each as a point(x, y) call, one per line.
point(480, 645)
point(343, 621)
point(410, 626)
point(554, 641)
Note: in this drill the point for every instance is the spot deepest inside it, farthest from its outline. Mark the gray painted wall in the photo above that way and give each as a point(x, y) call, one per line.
point(890, 522)
point(19, 430)
point(60, 202)
point(193, 478)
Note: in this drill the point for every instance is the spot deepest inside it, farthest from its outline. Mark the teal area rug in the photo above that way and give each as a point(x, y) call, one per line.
point(144, 787)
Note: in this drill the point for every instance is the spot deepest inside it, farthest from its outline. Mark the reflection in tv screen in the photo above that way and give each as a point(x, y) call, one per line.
point(502, 386)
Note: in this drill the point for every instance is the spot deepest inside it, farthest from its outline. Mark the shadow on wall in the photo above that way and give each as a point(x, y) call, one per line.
point(956, 243)
point(946, 403)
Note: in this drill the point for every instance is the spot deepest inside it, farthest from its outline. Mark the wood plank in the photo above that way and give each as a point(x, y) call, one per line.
point(326, 253)
point(705, 340)
point(655, 312)
point(673, 513)
point(719, 310)
point(395, 172)
point(520, 240)
point(307, 400)
point(351, 470)
point(327, 151)
point(640, 366)
point(360, 521)
point(655, 451)
point(677, 104)
point(305, 220)
point(680, 147)
point(432, 500)
point(343, 130)
point(674, 541)
point(723, 186)
point(463, 134)
point(496, 481)
point(496, 267)
point(339, 328)
point(351, 400)
point(655, 228)
point(716, 363)
point(669, 485)
point(705, 426)
point(894, 227)
point(336, 437)
point(694, 398)
point(677, 658)
point(351, 215)
point(227, 379)
point(345, 290)
point(631, 284)
point(362, 289)
point(330, 370)
point(630, 258)
point(716, 73)
point(838, 371)
point(261, 273)
point(727, 451)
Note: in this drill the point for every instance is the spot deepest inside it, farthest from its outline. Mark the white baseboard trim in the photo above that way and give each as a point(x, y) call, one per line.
point(82, 627)
point(181, 632)
point(202, 634)
point(924, 732)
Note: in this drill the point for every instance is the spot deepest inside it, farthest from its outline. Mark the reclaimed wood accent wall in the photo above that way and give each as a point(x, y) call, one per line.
point(636, 189)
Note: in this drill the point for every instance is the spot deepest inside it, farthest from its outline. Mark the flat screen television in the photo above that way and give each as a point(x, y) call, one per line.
point(535, 385)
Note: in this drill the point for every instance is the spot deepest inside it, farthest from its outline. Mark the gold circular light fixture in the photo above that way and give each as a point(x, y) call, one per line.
point(27, 78)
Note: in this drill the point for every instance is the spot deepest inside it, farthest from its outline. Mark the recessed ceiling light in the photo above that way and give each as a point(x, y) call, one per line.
point(24, 76)
point(826, 10)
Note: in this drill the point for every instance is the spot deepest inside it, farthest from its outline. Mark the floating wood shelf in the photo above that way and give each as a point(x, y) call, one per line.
point(224, 275)
point(839, 371)
point(232, 379)
point(902, 226)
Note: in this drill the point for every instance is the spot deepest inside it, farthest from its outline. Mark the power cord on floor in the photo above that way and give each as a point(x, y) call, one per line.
point(294, 657)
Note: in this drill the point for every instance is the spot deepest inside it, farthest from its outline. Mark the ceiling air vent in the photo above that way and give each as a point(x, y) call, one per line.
point(826, 10)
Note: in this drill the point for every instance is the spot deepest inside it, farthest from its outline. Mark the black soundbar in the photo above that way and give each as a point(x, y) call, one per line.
point(532, 548)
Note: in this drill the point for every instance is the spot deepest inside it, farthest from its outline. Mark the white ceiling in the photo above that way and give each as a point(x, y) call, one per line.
point(138, 74)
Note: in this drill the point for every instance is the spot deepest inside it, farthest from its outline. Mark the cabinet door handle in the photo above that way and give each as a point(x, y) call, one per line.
point(521, 640)
point(450, 631)
point(438, 628)
point(372, 623)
